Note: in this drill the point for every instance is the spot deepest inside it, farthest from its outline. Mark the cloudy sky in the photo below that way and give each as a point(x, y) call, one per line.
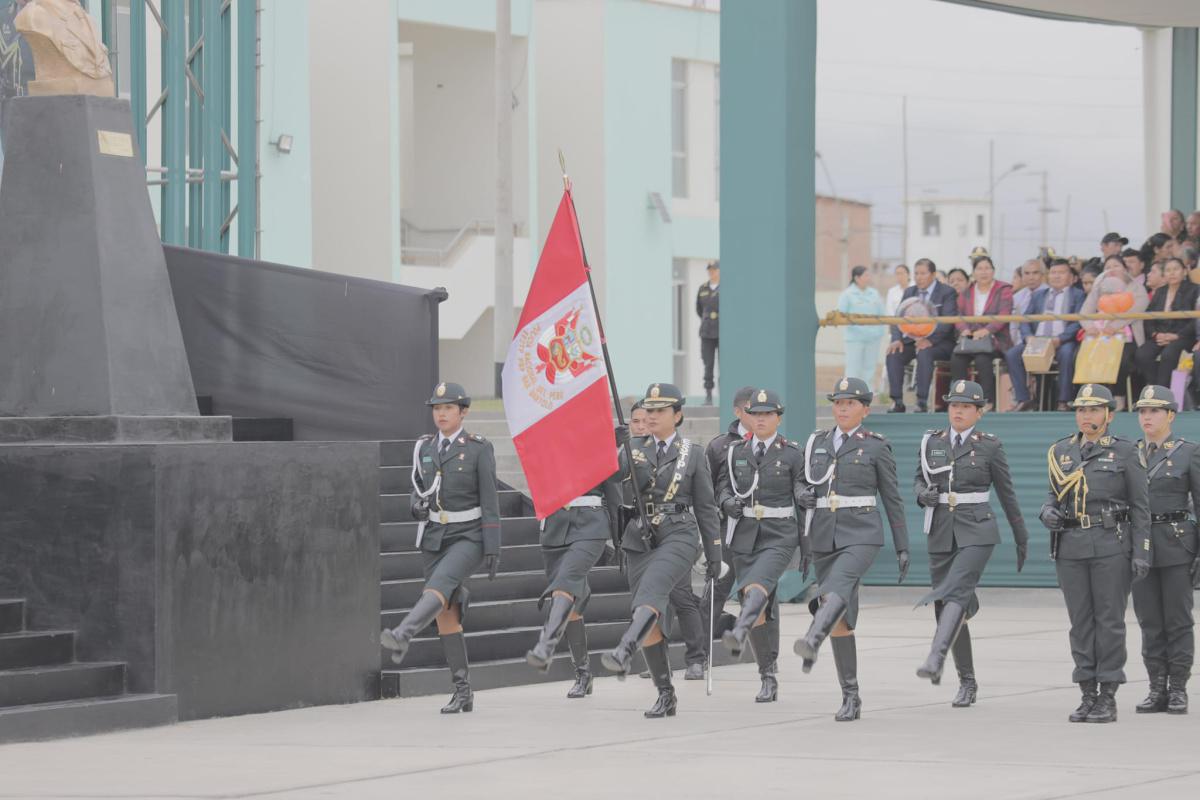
point(1061, 97)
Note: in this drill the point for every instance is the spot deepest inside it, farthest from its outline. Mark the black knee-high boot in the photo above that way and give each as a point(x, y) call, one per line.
point(427, 607)
point(765, 654)
point(831, 610)
point(455, 647)
point(947, 630)
point(660, 671)
point(845, 658)
point(577, 641)
point(964, 663)
point(619, 659)
point(542, 654)
point(753, 603)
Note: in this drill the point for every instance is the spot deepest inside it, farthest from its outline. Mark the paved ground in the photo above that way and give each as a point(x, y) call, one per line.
point(531, 742)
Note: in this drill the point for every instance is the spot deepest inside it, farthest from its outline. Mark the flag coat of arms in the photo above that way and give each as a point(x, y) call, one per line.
point(555, 379)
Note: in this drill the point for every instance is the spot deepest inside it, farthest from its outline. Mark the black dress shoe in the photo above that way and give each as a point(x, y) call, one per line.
point(695, 672)
point(1062, 407)
point(897, 408)
point(922, 408)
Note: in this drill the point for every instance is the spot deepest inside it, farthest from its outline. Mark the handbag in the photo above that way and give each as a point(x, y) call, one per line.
point(969, 346)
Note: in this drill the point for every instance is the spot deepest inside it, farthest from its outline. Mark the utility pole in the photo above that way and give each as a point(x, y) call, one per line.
point(502, 309)
point(904, 153)
point(991, 221)
point(1045, 209)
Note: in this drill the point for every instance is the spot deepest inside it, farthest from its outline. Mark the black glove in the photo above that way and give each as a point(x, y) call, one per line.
point(712, 569)
point(622, 434)
point(1022, 551)
point(732, 508)
point(805, 564)
point(1052, 516)
point(928, 497)
point(902, 562)
point(806, 498)
point(1141, 568)
point(420, 510)
point(492, 563)
point(1196, 573)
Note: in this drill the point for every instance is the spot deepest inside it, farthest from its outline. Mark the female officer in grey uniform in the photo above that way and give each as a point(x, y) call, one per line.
point(956, 468)
point(457, 510)
point(678, 515)
point(757, 493)
point(1163, 601)
point(572, 540)
point(1099, 521)
point(845, 468)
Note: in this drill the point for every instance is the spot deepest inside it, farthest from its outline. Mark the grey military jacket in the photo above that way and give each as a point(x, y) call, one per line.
point(863, 467)
point(678, 479)
point(1173, 472)
point(780, 476)
point(1116, 482)
point(979, 465)
point(717, 446)
point(569, 525)
point(468, 473)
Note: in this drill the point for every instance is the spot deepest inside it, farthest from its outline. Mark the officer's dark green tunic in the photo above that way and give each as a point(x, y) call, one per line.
point(452, 552)
point(573, 540)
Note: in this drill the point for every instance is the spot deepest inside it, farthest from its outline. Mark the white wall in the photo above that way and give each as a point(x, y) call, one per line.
point(958, 233)
point(701, 142)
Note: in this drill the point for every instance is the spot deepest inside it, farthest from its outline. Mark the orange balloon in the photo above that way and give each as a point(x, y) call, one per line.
point(1116, 303)
point(918, 329)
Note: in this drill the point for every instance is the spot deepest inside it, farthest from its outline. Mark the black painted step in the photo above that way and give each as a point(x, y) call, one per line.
point(501, 614)
point(36, 649)
point(500, 645)
point(12, 616)
point(394, 507)
point(56, 684)
point(506, 586)
point(399, 537)
point(515, 672)
point(395, 480)
point(204, 403)
point(517, 558)
point(83, 717)
point(396, 453)
point(262, 429)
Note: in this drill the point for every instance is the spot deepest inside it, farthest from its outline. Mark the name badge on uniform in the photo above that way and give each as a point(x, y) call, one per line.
point(820, 451)
point(426, 459)
point(937, 452)
point(741, 462)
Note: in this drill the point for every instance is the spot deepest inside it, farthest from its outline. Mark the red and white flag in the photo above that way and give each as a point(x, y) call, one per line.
point(555, 380)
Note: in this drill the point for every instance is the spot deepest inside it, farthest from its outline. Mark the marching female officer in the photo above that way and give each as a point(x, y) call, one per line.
point(845, 468)
point(677, 515)
point(757, 493)
point(573, 540)
point(1099, 525)
point(957, 466)
point(457, 510)
point(1163, 601)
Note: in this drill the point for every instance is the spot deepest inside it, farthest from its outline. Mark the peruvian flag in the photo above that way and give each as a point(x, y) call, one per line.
point(556, 395)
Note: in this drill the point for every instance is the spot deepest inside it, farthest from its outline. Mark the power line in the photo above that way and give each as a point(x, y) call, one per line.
point(876, 67)
point(983, 101)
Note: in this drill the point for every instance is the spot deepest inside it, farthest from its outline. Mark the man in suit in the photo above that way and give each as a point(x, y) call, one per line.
point(937, 346)
point(1060, 297)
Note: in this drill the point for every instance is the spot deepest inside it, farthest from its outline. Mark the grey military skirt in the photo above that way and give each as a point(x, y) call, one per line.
point(841, 572)
point(763, 567)
point(956, 574)
point(567, 569)
point(653, 574)
point(447, 570)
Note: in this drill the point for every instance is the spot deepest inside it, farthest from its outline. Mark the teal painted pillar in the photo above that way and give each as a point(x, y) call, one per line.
point(247, 132)
point(137, 74)
point(1183, 118)
point(174, 122)
point(768, 207)
point(212, 117)
point(197, 48)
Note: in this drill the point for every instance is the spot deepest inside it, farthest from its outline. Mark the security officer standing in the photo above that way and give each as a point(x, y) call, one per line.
point(572, 541)
point(845, 468)
point(1163, 601)
point(956, 469)
point(677, 515)
point(757, 495)
point(708, 301)
point(1099, 520)
point(457, 510)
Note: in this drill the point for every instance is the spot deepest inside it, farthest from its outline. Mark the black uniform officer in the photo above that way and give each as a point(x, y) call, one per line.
point(845, 468)
point(457, 509)
point(708, 302)
point(678, 516)
point(573, 540)
point(757, 493)
point(956, 469)
point(1099, 525)
point(1163, 601)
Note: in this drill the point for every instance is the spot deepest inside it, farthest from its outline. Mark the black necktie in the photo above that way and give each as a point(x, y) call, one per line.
point(662, 451)
point(1152, 448)
point(957, 441)
point(761, 450)
point(445, 446)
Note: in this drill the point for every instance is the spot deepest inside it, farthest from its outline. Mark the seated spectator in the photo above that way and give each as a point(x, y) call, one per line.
point(1087, 277)
point(1192, 228)
point(1111, 244)
point(1027, 279)
point(1153, 249)
point(1174, 224)
point(958, 280)
point(1158, 355)
point(1060, 297)
point(1116, 278)
point(986, 295)
point(1134, 264)
point(1154, 277)
point(926, 349)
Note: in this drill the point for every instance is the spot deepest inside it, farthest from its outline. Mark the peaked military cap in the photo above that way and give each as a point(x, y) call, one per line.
point(1094, 394)
point(764, 400)
point(851, 389)
point(966, 392)
point(661, 395)
point(1157, 397)
point(446, 392)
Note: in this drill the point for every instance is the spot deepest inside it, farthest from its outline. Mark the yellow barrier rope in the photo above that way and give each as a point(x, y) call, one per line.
point(837, 318)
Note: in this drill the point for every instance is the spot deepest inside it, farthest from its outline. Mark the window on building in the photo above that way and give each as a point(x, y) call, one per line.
point(979, 225)
point(679, 319)
point(931, 223)
point(717, 132)
point(679, 181)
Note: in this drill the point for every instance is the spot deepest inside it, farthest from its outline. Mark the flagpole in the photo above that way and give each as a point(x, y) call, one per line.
point(612, 380)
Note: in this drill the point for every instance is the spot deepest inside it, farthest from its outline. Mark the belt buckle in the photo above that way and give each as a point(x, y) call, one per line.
point(1085, 521)
point(649, 509)
point(758, 511)
point(443, 517)
point(833, 501)
point(952, 500)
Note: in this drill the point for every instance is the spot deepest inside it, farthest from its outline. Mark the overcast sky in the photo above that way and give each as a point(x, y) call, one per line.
point(1058, 96)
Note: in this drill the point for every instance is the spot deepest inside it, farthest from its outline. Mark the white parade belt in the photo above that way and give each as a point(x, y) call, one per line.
point(586, 501)
point(758, 512)
point(834, 502)
point(447, 517)
point(953, 499)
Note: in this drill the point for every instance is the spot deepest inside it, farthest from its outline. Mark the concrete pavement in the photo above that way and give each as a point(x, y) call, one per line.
point(532, 742)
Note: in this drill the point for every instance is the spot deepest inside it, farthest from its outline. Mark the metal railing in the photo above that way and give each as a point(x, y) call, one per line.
point(441, 256)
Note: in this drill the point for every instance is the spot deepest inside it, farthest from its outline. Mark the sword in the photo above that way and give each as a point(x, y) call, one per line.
point(712, 609)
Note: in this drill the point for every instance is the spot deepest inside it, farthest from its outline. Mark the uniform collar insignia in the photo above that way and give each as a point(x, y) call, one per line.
point(1169, 445)
point(1105, 441)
